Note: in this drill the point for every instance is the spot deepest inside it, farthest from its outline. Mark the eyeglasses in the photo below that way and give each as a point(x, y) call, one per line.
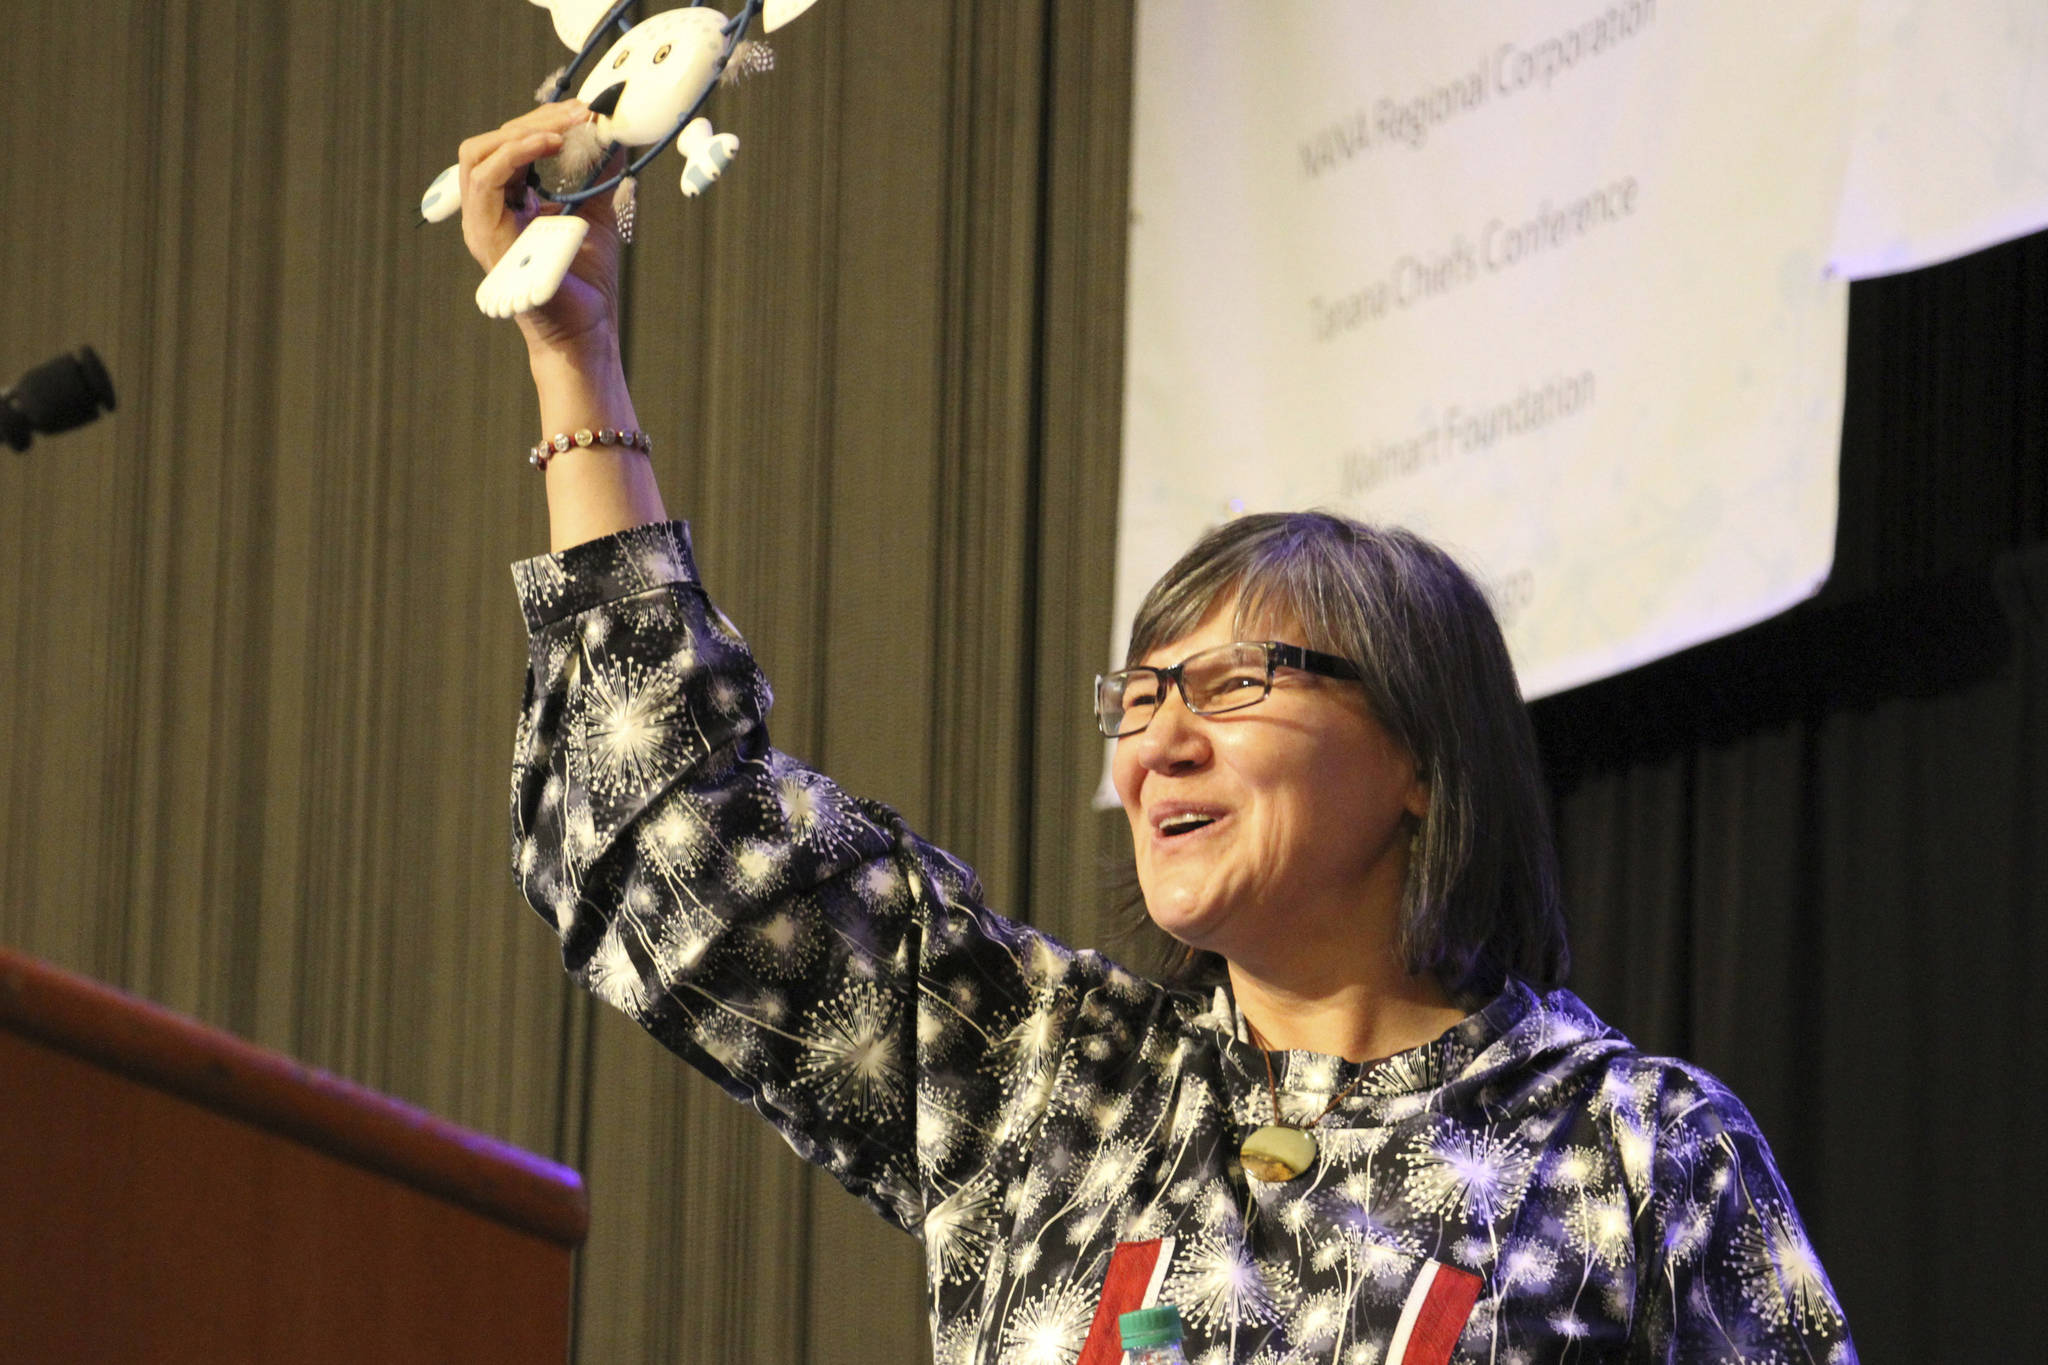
point(1226, 678)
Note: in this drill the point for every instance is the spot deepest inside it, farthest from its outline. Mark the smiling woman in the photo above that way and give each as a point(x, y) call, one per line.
point(1378, 1131)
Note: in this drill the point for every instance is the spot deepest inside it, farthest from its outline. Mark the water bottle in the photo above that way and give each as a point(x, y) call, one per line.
point(1152, 1336)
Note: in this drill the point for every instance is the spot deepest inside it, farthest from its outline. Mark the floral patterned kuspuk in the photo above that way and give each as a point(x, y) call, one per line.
point(1023, 1108)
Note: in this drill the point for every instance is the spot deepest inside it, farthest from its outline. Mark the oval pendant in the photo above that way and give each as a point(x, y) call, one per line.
point(1275, 1153)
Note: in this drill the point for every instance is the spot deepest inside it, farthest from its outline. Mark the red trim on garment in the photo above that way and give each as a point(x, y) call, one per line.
point(1442, 1319)
point(1123, 1291)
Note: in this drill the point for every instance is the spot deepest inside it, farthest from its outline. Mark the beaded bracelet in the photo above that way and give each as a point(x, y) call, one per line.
point(583, 438)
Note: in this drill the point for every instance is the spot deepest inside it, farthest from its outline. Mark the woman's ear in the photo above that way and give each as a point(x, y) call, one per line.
point(1417, 799)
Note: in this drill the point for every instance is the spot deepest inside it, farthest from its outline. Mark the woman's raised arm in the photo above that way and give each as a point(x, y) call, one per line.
point(572, 341)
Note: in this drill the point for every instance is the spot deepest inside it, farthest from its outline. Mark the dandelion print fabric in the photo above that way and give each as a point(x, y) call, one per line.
point(1022, 1108)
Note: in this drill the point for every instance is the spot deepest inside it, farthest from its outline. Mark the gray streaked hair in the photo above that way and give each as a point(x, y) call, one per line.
point(1481, 900)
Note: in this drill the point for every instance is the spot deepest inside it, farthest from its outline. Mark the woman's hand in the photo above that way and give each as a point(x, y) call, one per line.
point(572, 340)
point(497, 204)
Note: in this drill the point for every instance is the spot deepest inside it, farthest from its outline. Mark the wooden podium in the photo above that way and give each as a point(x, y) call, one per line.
point(169, 1193)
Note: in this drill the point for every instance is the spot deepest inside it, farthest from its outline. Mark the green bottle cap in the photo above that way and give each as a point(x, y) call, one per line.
point(1150, 1327)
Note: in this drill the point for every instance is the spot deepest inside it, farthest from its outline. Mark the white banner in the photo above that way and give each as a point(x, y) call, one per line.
point(1951, 135)
point(1542, 281)
point(1547, 281)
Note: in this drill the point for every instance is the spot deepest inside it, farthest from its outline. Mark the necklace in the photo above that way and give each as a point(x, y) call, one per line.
point(1280, 1151)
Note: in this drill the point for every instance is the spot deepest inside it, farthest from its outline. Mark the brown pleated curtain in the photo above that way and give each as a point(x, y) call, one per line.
point(261, 653)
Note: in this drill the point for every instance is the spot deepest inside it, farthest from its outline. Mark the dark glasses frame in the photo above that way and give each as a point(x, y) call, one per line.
point(1110, 687)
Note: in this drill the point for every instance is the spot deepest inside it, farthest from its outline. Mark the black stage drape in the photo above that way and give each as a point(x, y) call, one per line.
point(1811, 856)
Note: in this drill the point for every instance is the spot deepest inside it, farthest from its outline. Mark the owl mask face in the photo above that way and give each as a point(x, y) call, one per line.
point(660, 68)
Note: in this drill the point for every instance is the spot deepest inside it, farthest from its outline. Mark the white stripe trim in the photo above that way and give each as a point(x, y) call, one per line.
point(1159, 1268)
point(1411, 1310)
